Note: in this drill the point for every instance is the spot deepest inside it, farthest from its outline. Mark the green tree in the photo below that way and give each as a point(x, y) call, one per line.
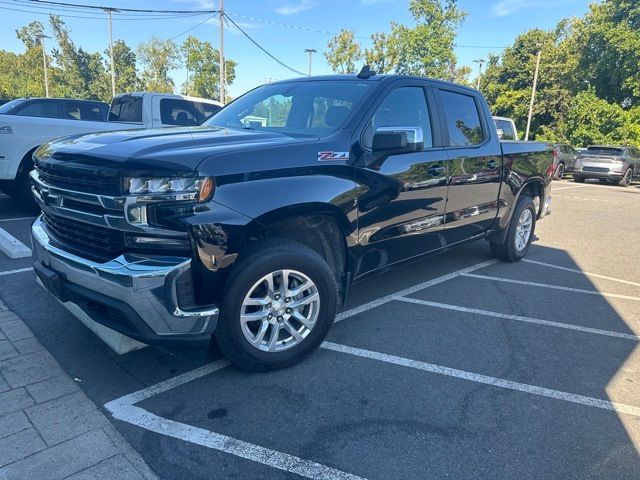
point(609, 50)
point(158, 57)
point(508, 79)
point(427, 48)
point(31, 35)
point(127, 79)
point(424, 49)
point(203, 65)
point(343, 52)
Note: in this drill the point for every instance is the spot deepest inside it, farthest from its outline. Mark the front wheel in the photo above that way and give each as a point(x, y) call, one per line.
point(625, 181)
point(578, 179)
point(520, 232)
point(560, 171)
point(279, 305)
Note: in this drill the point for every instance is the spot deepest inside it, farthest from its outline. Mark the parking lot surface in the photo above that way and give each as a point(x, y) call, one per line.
point(456, 366)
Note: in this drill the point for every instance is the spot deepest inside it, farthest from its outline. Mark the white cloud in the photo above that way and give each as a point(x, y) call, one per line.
point(292, 9)
point(504, 8)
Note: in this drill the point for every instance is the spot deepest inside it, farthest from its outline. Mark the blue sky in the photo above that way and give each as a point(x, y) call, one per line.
point(490, 23)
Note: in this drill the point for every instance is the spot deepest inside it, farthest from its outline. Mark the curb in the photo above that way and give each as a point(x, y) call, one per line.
point(12, 247)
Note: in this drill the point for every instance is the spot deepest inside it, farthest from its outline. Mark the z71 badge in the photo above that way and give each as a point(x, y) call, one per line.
point(332, 156)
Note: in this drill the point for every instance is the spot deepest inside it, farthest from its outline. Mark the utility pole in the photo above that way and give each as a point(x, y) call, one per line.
point(44, 65)
point(222, 69)
point(480, 62)
point(113, 68)
point(533, 93)
point(310, 51)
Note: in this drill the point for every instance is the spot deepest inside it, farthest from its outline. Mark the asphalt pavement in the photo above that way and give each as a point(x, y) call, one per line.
point(455, 366)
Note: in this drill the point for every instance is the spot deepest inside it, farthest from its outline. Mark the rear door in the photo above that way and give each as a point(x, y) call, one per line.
point(475, 163)
point(402, 200)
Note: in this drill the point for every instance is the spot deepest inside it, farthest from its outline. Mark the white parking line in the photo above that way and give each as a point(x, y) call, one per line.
point(485, 379)
point(555, 287)
point(16, 219)
point(19, 270)
point(408, 291)
point(124, 409)
point(519, 318)
point(575, 270)
point(566, 188)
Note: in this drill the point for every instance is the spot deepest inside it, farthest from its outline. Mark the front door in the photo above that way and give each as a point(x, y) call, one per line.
point(475, 159)
point(402, 201)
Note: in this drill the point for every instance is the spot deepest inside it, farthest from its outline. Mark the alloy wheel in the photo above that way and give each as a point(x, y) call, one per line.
point(280, 310)
point(523, 229)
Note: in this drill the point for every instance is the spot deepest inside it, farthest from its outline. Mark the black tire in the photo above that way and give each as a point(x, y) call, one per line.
point(265, 257)
point(560, 171)
point(625, 181)
point(578, 179)
point(507, 250)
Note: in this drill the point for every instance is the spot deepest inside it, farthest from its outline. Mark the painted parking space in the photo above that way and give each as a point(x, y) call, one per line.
point(430, 372)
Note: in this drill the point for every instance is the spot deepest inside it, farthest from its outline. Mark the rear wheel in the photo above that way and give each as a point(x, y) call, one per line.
point(519, 232)
point(560, 171)
point(279, 305)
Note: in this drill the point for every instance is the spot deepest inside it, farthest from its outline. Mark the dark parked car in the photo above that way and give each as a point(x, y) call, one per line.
point(615, 165)
point(565, 156)
point(255, 230)
point(67, 108)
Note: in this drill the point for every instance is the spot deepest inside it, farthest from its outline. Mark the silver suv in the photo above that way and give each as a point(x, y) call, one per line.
point(616, 165)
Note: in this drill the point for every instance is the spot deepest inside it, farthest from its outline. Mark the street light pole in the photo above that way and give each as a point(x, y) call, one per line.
point(113, 69)
point(222, 73)
point(310, 51)
point(44, 65)
point(533, 94)
point(480, 62)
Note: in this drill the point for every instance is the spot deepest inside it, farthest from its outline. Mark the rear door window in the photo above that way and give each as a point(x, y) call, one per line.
point(127, 108)
point(462, 119)
point(186, 113)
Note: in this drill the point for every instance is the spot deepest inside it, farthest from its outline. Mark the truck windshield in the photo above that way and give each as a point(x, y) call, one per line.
point(604, 151)
point(127, 108)
point(308, 108)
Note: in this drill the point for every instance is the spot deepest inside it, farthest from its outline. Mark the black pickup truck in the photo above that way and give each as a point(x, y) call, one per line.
point(253, 226)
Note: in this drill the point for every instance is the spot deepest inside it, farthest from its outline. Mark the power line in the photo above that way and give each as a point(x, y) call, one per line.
point(30, 5)
point(263, 49)
point(192, 28)
point(104, 7)
point(101, 18)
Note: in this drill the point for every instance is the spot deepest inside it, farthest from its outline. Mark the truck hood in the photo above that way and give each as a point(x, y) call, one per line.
point(174, 149)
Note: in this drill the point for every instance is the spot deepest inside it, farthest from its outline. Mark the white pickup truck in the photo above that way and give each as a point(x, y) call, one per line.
point(21, 135)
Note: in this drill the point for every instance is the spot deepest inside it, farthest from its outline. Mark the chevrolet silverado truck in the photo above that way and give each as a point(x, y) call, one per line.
point(254, 231)
point(37, 121)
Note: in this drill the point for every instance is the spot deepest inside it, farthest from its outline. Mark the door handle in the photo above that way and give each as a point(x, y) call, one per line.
point(435, 170)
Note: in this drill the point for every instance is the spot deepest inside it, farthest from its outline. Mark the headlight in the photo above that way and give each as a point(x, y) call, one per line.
point(182, 188)
point(578, 164)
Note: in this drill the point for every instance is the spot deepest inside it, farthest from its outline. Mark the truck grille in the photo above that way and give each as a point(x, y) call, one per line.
point(72, 232)
point(81, 181)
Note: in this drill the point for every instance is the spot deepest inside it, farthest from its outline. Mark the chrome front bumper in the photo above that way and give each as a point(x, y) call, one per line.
point(141, 289)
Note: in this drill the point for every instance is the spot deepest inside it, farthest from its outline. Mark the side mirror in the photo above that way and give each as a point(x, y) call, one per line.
point(390, 140)
point(500, 133)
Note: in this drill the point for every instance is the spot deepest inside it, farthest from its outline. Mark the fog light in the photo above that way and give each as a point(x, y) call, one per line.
point(137, 215)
